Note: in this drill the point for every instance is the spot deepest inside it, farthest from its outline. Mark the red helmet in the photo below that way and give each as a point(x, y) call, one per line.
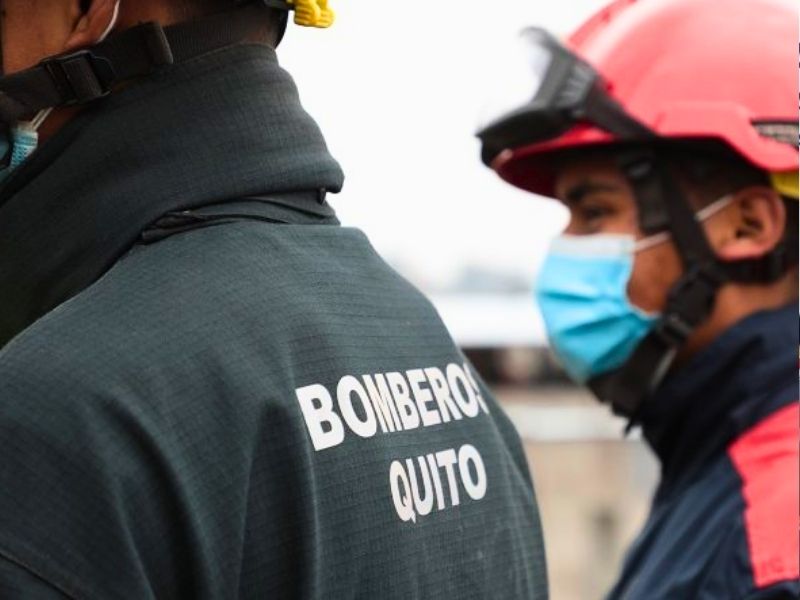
point(636, 74)
point(688, 70)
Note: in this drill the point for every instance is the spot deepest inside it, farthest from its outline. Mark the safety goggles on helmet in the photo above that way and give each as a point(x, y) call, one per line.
point(554, 91)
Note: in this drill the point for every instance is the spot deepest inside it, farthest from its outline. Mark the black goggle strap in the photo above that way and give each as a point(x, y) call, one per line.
point(603, 111)
point(87, 75)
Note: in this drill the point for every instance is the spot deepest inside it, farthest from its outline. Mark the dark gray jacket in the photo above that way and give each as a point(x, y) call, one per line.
point(211, 390)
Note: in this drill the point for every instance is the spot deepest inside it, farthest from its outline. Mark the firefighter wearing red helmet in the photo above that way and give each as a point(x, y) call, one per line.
point(668, 128)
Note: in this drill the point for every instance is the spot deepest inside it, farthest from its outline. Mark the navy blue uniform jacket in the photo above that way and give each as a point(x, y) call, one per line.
point(723, 525)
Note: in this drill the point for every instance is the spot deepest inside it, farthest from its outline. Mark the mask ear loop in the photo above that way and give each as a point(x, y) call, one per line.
point(32, 127)
point(701, 216)
point(112, 23)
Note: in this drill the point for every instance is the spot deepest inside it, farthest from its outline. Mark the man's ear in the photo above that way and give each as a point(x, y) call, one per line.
point(93, 25)
point(755, 225)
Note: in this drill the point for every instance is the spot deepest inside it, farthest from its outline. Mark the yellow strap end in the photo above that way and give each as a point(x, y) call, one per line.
point(313, 13)
point(786, 183)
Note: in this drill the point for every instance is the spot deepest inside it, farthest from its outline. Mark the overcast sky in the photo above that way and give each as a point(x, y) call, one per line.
point(397, 88)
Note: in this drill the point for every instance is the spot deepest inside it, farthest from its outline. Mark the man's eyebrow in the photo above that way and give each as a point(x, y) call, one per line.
point(576, 193)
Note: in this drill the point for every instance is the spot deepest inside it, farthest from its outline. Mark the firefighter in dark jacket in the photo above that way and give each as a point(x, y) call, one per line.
point(668, 128)
point(208, 388)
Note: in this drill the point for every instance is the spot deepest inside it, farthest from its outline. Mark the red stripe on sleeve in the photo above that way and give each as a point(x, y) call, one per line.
point(768, 461)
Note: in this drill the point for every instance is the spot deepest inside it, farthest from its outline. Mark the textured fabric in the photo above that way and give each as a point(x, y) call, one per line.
point(697, 542)
point(158, 427)
point(19, 583)
point(152, 148)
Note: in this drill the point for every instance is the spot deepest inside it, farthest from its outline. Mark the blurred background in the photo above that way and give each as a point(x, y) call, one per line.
point(397, 89)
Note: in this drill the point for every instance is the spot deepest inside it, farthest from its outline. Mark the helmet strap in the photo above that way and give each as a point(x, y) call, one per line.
point(87, 75)
point(662, 205)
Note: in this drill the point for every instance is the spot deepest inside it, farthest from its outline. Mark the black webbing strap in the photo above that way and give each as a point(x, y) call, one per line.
point(662, 205)
point(689, 303)
point(626, 388)
point(602, 110)
point(83, 76)
point(639, 169)
point(691, 299)
point(766, 269)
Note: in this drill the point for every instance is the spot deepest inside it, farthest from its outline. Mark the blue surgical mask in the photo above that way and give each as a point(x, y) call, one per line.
point(582, 292)
point(17, 147)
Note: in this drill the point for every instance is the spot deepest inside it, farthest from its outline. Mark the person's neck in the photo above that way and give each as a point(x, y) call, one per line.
point(734, 303)
point(746, 373)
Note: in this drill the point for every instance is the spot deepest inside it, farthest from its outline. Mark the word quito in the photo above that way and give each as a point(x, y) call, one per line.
point(395, 402)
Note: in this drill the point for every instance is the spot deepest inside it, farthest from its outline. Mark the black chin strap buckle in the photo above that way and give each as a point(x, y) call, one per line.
point(80, 77)
point(673, 329)
point(690, 302)
point(90, 74)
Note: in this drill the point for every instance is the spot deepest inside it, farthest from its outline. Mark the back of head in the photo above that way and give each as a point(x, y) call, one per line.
point(270, 28)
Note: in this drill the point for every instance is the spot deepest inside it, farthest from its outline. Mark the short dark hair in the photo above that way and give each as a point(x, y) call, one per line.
point(192, 8)
point(272, 24)
point(709, 170)
point(274, 21)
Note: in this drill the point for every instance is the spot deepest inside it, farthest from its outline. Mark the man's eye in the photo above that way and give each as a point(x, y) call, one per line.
point(594, 213)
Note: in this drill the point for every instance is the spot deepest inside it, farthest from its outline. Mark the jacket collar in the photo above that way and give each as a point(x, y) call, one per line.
point(744, 375)
point(213, 129)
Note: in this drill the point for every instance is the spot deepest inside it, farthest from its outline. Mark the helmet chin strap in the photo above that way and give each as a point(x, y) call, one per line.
point(36, 123)
point(663, 207)
point(701, 216)
point(82, 77)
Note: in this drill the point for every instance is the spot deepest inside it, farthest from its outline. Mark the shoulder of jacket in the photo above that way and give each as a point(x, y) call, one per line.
point(767, 459)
